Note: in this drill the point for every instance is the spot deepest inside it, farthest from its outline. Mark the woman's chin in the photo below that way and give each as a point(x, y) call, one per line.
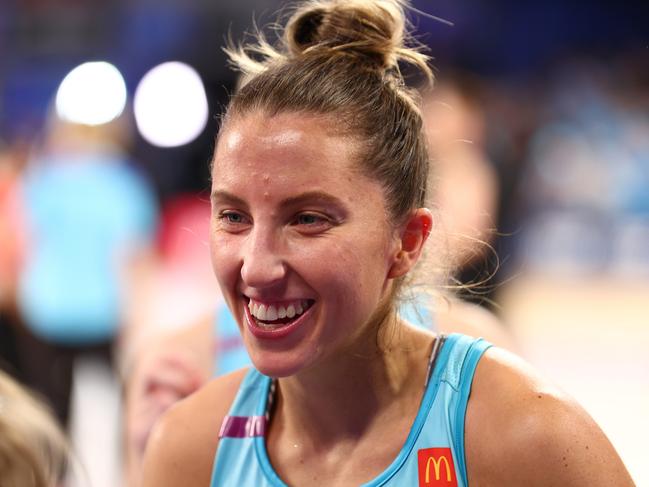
point(278, 365)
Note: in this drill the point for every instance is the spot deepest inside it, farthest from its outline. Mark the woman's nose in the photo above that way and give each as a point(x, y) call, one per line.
point(263, 265)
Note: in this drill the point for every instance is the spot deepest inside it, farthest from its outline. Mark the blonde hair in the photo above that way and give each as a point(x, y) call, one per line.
point(342, 58)
point(33, 450)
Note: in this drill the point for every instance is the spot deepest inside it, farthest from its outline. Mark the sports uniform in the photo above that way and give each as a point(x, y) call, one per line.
point(433, 454)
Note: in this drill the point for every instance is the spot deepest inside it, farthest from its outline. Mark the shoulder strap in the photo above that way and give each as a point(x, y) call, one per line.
point(247, 417)
point(460, 368)
point(437, 346)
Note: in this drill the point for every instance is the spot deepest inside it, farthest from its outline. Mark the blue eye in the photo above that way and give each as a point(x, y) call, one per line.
point(308, 219)
point(312, 223)
point(232, 218)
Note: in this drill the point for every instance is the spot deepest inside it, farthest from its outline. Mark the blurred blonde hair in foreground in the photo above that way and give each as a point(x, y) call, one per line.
point(33, 450)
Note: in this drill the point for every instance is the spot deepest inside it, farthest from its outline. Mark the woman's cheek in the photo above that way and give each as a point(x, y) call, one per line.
point(223, 256)
point(214, 251)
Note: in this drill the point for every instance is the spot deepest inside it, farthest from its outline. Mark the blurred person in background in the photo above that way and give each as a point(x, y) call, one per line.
point(176, 285)
point(90, 216)
point(464, 182)
point(12, 162)
point(33, 450)
point(586, 184)
point(171, 300)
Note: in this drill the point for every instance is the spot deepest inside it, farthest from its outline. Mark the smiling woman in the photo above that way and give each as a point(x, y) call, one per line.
point(309, 239)
point(319, 184)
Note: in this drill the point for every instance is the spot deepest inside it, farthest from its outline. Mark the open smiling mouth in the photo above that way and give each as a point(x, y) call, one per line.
point(279, 315)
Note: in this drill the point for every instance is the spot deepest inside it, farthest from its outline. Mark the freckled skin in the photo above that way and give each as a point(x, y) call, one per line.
point(343, 268)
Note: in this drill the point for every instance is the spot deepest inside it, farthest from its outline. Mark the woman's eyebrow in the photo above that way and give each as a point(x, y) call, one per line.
point(317, 197)
point(313, 197)
point(223, 197)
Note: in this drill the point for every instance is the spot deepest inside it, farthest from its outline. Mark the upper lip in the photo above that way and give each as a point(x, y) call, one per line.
point(274, 300)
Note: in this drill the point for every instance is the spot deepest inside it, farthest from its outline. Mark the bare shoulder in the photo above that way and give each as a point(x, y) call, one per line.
point(521, 430)
point(183, 444)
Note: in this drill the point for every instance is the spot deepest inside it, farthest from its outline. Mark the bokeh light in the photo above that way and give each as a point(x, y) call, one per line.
point(93, 93)
point(170, 105)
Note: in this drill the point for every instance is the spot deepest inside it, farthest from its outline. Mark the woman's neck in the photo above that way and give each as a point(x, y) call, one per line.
point(341, 399)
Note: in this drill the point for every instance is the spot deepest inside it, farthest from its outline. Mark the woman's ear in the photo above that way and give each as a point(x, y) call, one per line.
point(414, 234)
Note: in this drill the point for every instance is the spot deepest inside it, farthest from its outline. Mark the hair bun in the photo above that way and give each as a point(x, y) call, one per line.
point(302, 30)
point(370, 30)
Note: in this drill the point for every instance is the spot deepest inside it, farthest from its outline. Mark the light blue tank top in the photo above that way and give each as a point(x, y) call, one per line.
point(433, 454)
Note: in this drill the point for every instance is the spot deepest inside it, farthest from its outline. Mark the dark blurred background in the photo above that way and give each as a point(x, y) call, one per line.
point(518, 43)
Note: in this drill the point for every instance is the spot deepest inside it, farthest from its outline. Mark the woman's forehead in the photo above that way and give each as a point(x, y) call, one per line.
point(274, 159)
point(299, 121)
point(291, 141)
point(264, 135)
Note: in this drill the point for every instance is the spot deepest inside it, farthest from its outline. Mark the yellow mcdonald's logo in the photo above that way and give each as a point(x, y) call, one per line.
point(437, 464)
point(442, 473)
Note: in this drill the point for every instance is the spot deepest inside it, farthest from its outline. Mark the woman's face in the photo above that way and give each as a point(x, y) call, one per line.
point(301, 242)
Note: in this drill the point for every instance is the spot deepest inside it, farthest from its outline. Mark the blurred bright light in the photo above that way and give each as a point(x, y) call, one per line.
point(170, 105)
point(93, 93)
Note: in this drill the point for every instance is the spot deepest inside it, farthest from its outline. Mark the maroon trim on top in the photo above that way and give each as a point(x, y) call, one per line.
point(242, 426)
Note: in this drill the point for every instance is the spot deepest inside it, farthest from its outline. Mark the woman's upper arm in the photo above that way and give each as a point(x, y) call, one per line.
point(178, 452)
point(520, 430)
point(183, 444)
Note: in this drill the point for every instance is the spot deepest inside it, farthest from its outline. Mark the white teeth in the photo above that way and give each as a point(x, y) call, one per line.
point(290, 311)
point(271, 313)
point(261, 312)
